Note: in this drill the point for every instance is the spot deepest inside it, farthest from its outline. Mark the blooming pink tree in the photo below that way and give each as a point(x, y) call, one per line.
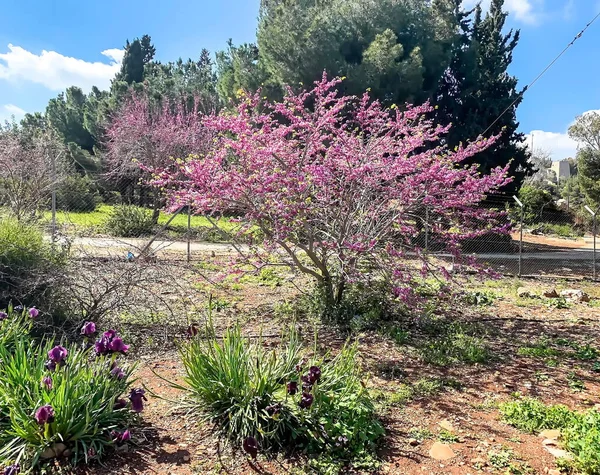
point(337, 186)
point(146, 133)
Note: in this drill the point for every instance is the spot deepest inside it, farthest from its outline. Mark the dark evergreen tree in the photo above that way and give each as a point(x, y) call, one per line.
point(138, 53)
point(476, 89)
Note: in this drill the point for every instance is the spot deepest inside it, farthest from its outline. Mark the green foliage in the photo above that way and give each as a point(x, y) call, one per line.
point(534, 200)
point(26, 261)
point(82, 395)
point(579, 430)
point(129, 221)
point(480, 298)
point(561, 230)
point(540, 349)
point(586, 131)
point(456, 344)
point(76, 193)
point(236, 383)
point(422, 388)
point(477, 87)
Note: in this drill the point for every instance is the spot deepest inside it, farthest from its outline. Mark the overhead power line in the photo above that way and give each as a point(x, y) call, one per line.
point(520, 95)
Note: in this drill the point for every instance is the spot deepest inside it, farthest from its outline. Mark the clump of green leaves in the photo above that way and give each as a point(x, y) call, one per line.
point(129, 221)
point(480, 298)
point(249, 391)
point(579, 430)
point(81, 392)
point(456, 344)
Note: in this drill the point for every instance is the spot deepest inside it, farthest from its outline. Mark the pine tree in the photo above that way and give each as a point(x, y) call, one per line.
point(476, 89)
point(138, 53)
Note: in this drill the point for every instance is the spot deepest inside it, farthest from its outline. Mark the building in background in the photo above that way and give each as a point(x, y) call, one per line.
point(562, 170)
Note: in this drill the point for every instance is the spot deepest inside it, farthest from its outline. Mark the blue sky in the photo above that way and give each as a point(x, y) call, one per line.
point(47, 45)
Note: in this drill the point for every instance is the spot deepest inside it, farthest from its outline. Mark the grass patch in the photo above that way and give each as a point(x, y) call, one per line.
point(421, 389)
point(580, 430)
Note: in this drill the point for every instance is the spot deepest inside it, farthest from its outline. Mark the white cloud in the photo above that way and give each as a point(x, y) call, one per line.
point(57, 72)
point(558, 144)
point(7, 111)
point(525, 11)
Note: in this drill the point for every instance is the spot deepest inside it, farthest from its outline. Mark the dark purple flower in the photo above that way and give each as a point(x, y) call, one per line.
point(117, 346)
point(18, 309)
point(274, 409)
point(47, 383)
point(307, 383)
point(306, 400)
point(88, 329)
point(300, 365)
point(120, 404)
point(192, 330)
point(58, 354)
point(50, 365)
point(250, 446)
point(44, 414)
point(117, 372)
point(314, 374)
point(33, 312)
point(3, 316)
point(136, 396)
point(91, 453)
point(110, 342)
point(292, 388)
point(12, 469)
point(120, 437)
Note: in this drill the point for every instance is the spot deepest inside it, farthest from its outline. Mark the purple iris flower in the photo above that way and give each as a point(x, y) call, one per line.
point(120, 404)
point(33, 312)
point(58, 354)
point(307, 383)
point(47, 382)
point(120, 437)
point(117, 372)
point(314, 374)
point(117, 346)
point(306, 400)
point(3, 316)
point(137, 398)
point(50, 365)
point(274, 409)
point(110, 342)
point(250, 446)
point(12, 469)
point(192, 330)
point(88, 329)
point(292, 388)
point(44, 414)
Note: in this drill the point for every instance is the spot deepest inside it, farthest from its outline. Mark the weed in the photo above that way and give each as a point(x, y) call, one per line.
point(576, 384)
point(447, 437)
point(540, 349)
point(501, 459)
point(420, 434)
point(480, 298)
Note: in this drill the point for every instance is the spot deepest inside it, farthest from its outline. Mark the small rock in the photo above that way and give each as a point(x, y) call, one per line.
point(551, 294)
point(446, 425)
point(554, 472)
point(550, 434)
point(413, 442)
point(558, 453)
point(525, 293)
point(186, 458)
point(441, 451)
point(479, 462)
point(575, 294)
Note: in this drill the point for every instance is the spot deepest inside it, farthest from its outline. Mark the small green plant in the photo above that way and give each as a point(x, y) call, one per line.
point(480, 298)
point(586, 352)
point(456, 346)
point(129, 221)
point(447, 437)
point(275, 400)
point(575, 383)
point(540, 349)
point(60, 402)
point(579, 430)
point(420, 434)
point(501, 458)
point(76, 193)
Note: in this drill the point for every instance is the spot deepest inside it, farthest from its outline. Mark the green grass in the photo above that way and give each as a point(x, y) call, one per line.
point(92, 222)
point(580, 432)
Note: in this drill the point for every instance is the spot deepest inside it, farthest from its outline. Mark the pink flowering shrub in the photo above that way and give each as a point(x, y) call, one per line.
point(337, 186)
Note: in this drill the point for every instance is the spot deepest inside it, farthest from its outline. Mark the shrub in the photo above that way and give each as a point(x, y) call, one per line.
point(579, 430)
point(27, 262)
point(129, 221)
point(76, 193)
point(57, 401)
point(274, 400)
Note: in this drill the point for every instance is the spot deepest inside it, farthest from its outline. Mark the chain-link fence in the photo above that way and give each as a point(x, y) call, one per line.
point(548, 240)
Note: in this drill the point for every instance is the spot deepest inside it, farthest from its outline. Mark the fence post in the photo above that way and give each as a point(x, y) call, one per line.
point(189, 233)
point(426, 230)
point(53, 160)
point(594, 231)
point(521, 238)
